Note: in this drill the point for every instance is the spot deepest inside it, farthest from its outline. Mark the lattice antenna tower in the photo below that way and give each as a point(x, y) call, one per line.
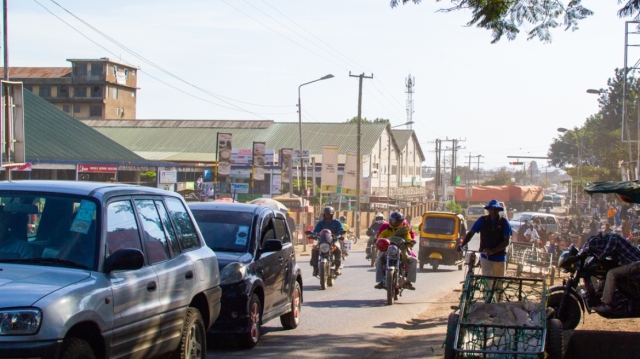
point(410, 82)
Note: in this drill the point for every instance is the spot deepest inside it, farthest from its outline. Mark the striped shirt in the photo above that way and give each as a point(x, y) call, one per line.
point(614, 246)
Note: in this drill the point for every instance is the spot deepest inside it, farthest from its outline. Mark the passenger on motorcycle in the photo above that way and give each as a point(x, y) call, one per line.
point(620, 250)
point(532, 234)
point(495, 232)
point(335, 227)
point(343, 220)
point(390, 229)
point(372, 231)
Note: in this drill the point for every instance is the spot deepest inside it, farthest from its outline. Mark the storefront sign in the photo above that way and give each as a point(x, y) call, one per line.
point(97, 169)
point(239, 187)
point(168, 176)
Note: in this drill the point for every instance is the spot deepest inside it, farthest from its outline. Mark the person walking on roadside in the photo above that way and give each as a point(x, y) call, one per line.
point(495, 233)
point(611, 214)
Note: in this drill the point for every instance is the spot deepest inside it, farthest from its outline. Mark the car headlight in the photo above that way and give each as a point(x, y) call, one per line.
point(20, 321)
point(233, 273)
point(324, 247)
point(393, 250)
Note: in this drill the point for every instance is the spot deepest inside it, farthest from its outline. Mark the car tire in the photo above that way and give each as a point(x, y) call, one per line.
point(291, 320)
point(193, 343)
point(76, 348)
point(250, 339)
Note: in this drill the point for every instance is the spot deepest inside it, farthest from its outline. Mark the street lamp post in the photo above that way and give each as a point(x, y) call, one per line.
point(329, 76)
point(300, 129)
point(580, 138)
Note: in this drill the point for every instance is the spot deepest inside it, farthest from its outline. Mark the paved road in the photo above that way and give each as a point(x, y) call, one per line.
point(349, 320)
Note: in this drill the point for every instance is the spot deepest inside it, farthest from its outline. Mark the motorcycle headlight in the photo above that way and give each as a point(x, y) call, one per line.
point(324, 247)
point(233, 273)
point(393, 251)
point(20, 321)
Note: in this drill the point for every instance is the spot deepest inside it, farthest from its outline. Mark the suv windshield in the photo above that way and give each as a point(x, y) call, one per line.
point(46, 229)
point(475, 210)
point(225, 231)
point(522, 217)
point(439, 225)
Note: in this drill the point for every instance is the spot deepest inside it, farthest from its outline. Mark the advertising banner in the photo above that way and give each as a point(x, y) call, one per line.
point(239, 187)
point(285, 164)
point(258, 161)
point(240, 173)
point(306, 155)
point(97, 169)
point(244, 156)
point(349, 176)
point(329, 169)
point(275, 184)
point(224, 154)
point(167, 175)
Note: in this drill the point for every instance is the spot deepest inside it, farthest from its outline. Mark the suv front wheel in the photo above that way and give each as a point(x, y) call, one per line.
point(193, 343)
point(75, 348)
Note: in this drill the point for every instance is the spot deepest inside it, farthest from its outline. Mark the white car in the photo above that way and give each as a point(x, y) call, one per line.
point(548, 221)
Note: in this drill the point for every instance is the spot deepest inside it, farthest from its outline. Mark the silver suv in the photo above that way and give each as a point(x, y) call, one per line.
point(102, 270)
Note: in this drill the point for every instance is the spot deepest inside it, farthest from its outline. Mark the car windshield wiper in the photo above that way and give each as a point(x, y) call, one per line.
point(55, 261)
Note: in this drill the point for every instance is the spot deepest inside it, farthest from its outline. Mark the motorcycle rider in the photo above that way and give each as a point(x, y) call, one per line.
point(372, 231)
point(532, 233)
point(494, 239)
point(620, 250)
point(343, 220)
point(390, 229)
point(335, 226)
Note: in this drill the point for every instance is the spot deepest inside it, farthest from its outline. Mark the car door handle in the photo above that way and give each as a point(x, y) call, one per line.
point(151, 286)
point(280, 260)
point(189, 275)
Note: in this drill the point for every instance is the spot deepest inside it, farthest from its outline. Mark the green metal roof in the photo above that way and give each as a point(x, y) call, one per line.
point(51, 135)
point(402, 138)
point(173, 142)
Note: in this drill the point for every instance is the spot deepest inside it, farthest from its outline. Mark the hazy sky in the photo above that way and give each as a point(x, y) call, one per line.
point(237, 59)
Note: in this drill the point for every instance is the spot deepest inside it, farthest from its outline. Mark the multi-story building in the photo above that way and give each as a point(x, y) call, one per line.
point(91, 88)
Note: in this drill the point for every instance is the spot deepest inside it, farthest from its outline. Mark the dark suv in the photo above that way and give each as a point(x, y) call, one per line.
point(259, 276)
point(102, 270)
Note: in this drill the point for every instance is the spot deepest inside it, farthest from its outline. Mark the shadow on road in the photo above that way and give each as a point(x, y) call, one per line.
point(415, 324)
point(346, 303)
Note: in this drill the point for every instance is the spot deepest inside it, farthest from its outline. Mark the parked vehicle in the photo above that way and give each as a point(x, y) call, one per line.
point(473, 213)
point(439, 236)
point(259, 275)
point(327, 243)
point(570, 300)
point(547, 201)
point(548, 221)
point(395, 269)
point(558, 200)
point(108, 271)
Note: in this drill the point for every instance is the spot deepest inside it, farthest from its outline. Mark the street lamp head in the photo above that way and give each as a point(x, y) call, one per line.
point(595, 92)
point(562, 129)
point(329, 76)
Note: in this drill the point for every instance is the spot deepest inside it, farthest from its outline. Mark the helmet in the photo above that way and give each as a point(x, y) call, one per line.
point(328, 209)
point(324, 236)
point(379, 216)
point(383, 244)
point(343, 219)
point(396, 218)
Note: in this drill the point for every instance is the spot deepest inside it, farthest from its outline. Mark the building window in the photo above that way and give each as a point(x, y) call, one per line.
point(80, 91)
point(96, 91)
point(63, 91)
point(133, 72)
point(133, 94)
point(126, 74)
point(76, 108)
point(81, 69)
point(45, 91)
point(96, 69)
point(66, 108)
point(115, 93)
point(28, 87)
point(95, 111)
point(115, 71)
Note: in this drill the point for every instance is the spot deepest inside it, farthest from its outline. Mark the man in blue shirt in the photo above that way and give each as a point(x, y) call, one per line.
point(335, 227)
point(495, 232)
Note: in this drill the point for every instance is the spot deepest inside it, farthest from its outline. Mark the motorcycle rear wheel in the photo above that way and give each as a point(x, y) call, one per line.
point(391, 284)
point(323, 277)
point(572, 311)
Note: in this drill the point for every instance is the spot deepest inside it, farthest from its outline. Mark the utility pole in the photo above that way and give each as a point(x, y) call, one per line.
point(7, 170)
point(438, 169)
point(358, 161)
point(478, 169)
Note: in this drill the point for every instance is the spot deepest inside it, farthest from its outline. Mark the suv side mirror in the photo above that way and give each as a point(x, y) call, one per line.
point(271, 245)
point(124, 259)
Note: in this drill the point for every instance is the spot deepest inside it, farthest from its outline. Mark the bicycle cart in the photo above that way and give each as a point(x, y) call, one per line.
point(503, 317)
point(515, 253)
point(538, 264)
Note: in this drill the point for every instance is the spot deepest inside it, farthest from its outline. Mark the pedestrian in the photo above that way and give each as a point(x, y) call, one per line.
point(626, 228)
point(611, 214)
point(408, 218)
point(495, 232)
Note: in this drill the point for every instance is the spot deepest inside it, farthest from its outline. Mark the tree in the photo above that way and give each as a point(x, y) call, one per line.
point(453, 206)
point(364, 120)
point(599, 137)
point(500, 178)
point(505, 18)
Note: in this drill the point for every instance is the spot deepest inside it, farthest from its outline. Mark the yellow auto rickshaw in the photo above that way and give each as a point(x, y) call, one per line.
point(439, 236)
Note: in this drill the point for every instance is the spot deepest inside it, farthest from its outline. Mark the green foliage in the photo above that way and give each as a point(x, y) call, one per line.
point(364, 120)
point(148, 177)
point(500, 178)
point(506, 17)
point(599, 137)
point(453, 206)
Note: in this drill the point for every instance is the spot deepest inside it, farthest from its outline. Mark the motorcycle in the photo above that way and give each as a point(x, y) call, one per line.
point(570, 299)
point(326, 271)
point(396, 271)
point(371, 249)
